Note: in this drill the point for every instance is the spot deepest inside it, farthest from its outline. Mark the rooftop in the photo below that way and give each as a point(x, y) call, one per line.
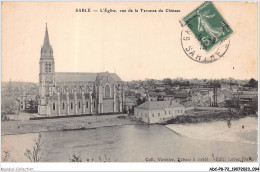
point(82, 77)
point(150, 105)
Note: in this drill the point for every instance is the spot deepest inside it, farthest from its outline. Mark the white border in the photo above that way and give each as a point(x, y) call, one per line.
point(122, 166)
point(195, 166)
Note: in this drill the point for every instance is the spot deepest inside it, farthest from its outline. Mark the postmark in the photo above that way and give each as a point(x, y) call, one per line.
point(197, 52)
point(207, 25)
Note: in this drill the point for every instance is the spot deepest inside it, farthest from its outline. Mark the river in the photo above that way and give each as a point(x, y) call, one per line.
point(128, 143)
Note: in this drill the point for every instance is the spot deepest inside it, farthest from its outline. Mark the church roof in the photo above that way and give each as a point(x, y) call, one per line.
point(74, 77)
point(115, 77)
point(81, 77)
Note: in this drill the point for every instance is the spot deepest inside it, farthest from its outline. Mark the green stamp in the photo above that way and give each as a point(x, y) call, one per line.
point(207, 24)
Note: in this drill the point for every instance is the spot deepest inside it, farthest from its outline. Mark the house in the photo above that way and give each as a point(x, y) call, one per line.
point(228, 94)
point(160, 88)
point(158, 111)
point(168, 97)
point(247, 96)
point(175, 87)
point(234, 87)
point(25, 99)
point(182, 97)
point(201, 99)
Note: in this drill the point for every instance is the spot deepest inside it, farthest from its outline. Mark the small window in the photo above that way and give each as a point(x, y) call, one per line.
point(79, 105)
point(178, 111)
point(165, 112)
point(158, 114)
point(71, 105)
point(53, 106)
point(63, 105)
point(153, 115)
point(94, 104)
point(181, 111)
point(87, 104)
point(169, 112)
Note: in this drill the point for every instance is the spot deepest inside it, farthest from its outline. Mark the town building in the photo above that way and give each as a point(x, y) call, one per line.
point(158, 111)
point(64, 93)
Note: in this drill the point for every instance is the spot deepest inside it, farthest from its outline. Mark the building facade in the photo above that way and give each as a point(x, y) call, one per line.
point(158, 111)
point(76, 93)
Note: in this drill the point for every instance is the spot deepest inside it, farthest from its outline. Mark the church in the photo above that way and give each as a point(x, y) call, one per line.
point(65, 93)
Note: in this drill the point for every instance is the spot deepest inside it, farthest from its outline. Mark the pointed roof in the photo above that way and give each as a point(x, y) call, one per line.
point(46, 42)
point(46, 49)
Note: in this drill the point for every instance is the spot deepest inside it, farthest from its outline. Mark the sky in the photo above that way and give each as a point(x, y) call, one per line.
point(134, 45)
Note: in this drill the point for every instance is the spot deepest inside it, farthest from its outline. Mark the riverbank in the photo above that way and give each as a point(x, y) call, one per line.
point(204, 116)
point(64, 124)
point(242, 130)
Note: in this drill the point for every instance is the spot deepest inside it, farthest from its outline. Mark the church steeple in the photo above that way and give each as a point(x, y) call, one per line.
point(46, 50)
point(47, 67)
point(46, 42)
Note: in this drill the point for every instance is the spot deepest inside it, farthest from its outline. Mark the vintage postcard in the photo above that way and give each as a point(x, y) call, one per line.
point(88, 82)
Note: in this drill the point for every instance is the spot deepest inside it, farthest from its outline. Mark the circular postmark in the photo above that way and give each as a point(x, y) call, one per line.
point(194, 50)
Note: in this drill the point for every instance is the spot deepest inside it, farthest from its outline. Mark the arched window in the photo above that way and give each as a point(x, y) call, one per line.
point(79, 105)
point(53, 106)
point(63, 105)
point(107, 91)
point(87, 104)
point(71, 105)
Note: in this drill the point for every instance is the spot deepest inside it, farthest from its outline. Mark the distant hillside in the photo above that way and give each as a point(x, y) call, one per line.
point(12, 88)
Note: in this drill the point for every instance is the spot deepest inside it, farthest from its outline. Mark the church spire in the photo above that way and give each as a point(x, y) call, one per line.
point(46, 42)
point(46, 50)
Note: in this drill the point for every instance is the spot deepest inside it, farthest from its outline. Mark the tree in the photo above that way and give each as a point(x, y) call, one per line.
point(35, 155)
point(167, 81)
point(253, 83)
point(8, 105)
point(140, 101)
point(75, 158)
point(151, 82)
point(32, 106)
point(6, 156)
point(233, 103)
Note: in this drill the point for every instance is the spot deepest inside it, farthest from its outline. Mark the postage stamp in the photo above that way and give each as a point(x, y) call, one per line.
point(207, 24)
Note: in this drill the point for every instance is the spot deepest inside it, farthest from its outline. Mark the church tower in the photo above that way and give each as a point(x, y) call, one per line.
point(47, 73)
point(47, 68)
